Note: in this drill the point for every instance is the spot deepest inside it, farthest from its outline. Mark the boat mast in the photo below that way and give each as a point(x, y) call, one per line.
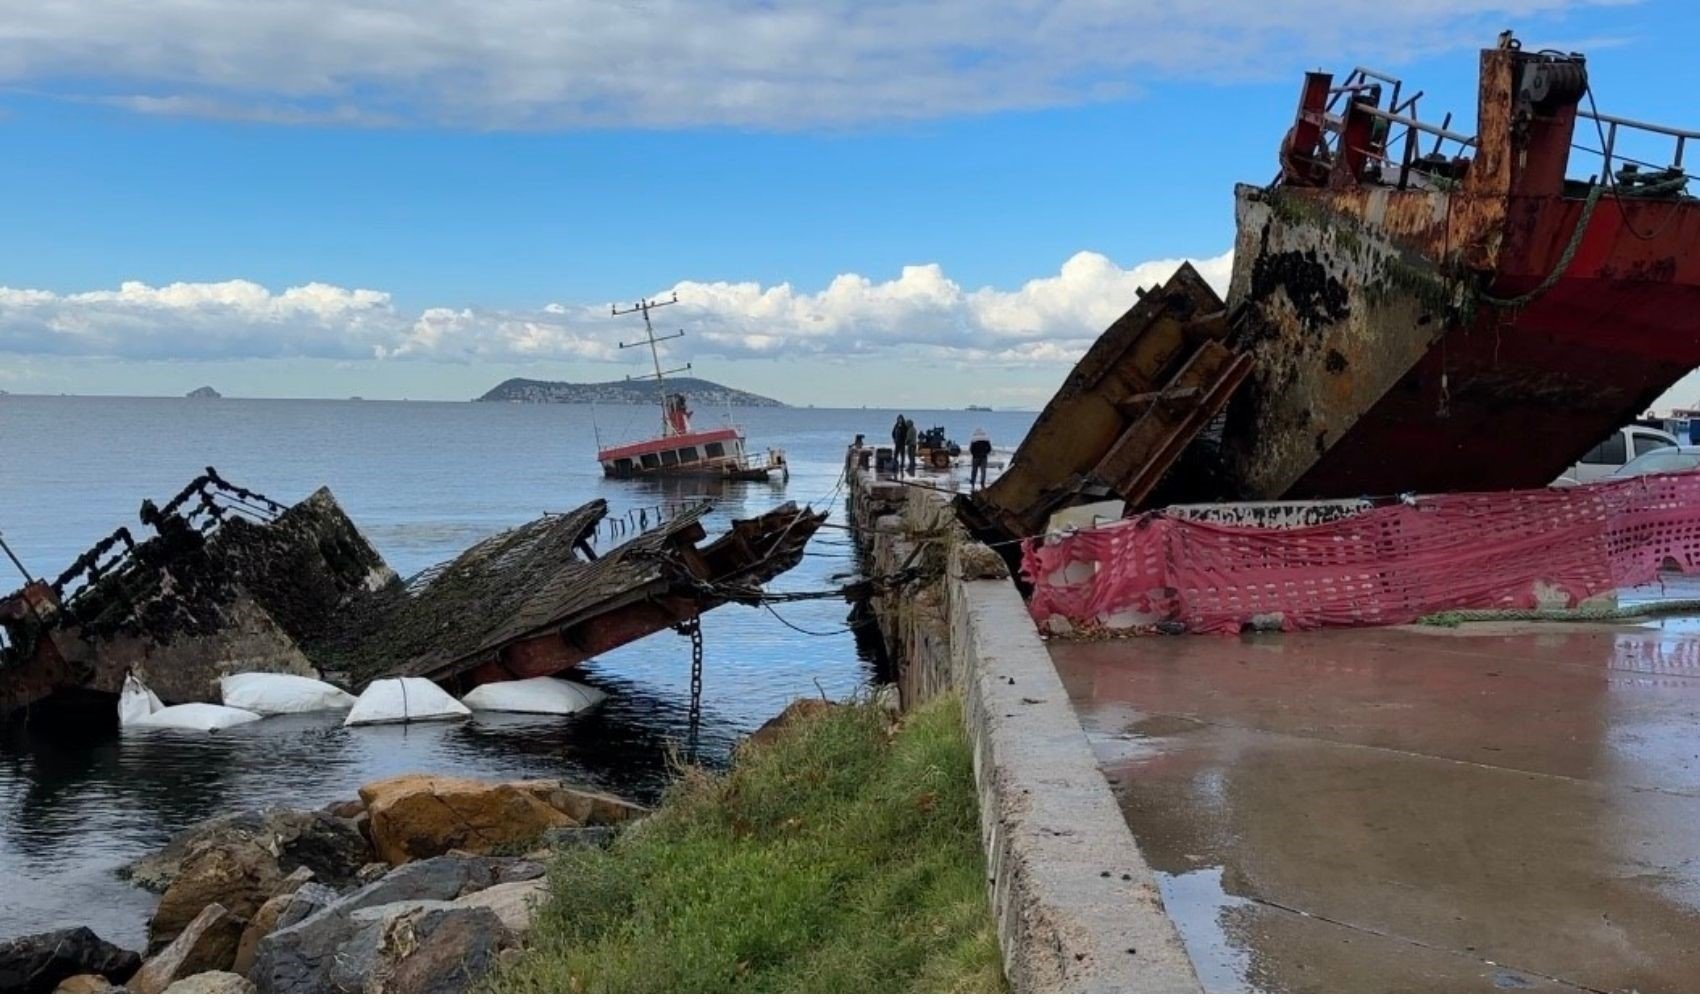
point(644, 306)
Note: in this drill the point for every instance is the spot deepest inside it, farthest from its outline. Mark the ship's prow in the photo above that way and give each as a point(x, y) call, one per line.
point(1463, 320)
point(1412, 309)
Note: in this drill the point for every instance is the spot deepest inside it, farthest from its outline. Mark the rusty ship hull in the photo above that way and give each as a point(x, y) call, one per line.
point(1391, 389)
point(1474, 328)
point(1411, 309)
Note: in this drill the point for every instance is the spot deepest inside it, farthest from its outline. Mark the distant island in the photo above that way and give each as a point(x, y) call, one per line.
point(205, 392)
point(700, 391)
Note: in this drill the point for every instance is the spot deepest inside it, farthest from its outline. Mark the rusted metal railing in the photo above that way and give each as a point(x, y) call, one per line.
point(1607, 127)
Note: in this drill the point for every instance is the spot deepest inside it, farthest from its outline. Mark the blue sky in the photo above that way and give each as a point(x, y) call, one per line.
point(455, 191)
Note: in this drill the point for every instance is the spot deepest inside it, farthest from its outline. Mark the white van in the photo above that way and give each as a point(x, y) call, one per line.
point(1609, 455)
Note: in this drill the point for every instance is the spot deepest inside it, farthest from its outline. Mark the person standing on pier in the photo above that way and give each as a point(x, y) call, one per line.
point(899, 437)
point(979, 453)
point(912, 442)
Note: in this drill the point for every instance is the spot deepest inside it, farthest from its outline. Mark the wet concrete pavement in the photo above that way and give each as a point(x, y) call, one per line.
point(1497, 807)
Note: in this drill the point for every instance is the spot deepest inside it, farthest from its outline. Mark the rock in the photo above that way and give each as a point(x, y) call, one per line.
point(442, 878)
point(330, 845)
point(263, 922)
point(421, 948)
point(208, 944)
point(588, 806)
point(580, 836)
point(980, 562)
point(239, 876)
point(303, 957)
point(346, 809)
point(513, 903)
point(155, 872)
point(424, 816)
point(802, 708)
point(372, 872)
point(211, 982)
point(304, 902)
point(453, 951)
point(87, 982)
point(296, 879)
point(38, 963)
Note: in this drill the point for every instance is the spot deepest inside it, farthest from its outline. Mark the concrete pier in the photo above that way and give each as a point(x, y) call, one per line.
point(1077, 908)
point(1498, 807)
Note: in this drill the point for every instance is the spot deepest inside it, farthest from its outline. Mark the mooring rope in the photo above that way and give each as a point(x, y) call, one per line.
point(1652, 609)
point(1564, 259)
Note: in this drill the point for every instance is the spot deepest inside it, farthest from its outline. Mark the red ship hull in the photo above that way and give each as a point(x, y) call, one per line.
point(1473, 335)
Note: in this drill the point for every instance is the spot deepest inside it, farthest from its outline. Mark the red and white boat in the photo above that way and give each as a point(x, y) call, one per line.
point(682, 451)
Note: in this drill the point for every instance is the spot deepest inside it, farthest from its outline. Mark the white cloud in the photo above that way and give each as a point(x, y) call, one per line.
point(663, 63)
point(921, 311)
point(1049, 319)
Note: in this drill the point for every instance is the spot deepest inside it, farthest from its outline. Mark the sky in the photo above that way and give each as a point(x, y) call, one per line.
point(855, 202)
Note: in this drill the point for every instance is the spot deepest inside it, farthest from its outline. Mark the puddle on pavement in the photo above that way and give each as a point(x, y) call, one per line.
point(1201, 909)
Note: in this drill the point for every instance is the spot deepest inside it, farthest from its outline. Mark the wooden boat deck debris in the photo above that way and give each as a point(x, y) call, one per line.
point(230, 580)
point(536, 600)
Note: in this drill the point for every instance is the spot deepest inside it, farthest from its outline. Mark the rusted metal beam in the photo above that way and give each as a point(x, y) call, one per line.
point(1130, 378)
point(1134, 466)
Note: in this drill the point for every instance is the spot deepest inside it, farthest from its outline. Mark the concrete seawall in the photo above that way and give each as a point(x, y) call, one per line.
point(1077, 909)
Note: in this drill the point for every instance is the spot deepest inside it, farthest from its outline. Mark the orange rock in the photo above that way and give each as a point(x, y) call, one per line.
point(240, 876)
point(423, 816)
point(263, 922)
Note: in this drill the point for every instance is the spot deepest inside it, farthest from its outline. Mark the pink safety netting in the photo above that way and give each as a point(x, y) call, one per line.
point(1386, 566)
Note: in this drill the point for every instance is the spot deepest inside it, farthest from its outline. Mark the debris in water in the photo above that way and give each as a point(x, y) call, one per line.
point(233, 582)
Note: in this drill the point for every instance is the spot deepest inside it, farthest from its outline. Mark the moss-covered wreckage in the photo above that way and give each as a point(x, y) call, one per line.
point(1411, 309)
point(228, 580)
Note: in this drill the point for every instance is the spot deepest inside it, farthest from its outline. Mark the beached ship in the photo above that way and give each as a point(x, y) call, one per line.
point(1407, 299)
point(682, 451)
point(1409, 292)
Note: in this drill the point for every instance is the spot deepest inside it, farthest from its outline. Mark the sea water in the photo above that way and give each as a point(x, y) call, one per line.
point(423, 481)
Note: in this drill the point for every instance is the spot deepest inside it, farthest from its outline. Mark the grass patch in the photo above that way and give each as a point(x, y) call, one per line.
point(844, 856)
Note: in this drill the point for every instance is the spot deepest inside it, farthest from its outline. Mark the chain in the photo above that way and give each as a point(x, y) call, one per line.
point(695, 632)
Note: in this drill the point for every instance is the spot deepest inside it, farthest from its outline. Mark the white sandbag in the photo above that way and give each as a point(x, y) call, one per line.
point(136, 702)
point(140, 708)
point(281, 694)
point(538, 695)
point(404, 699)
point(196, 715)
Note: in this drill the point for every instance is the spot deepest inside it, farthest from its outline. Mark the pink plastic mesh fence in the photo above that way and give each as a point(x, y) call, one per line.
point(1386, 566)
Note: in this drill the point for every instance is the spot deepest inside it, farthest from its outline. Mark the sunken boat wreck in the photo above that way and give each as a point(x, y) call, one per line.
point(228, 580)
